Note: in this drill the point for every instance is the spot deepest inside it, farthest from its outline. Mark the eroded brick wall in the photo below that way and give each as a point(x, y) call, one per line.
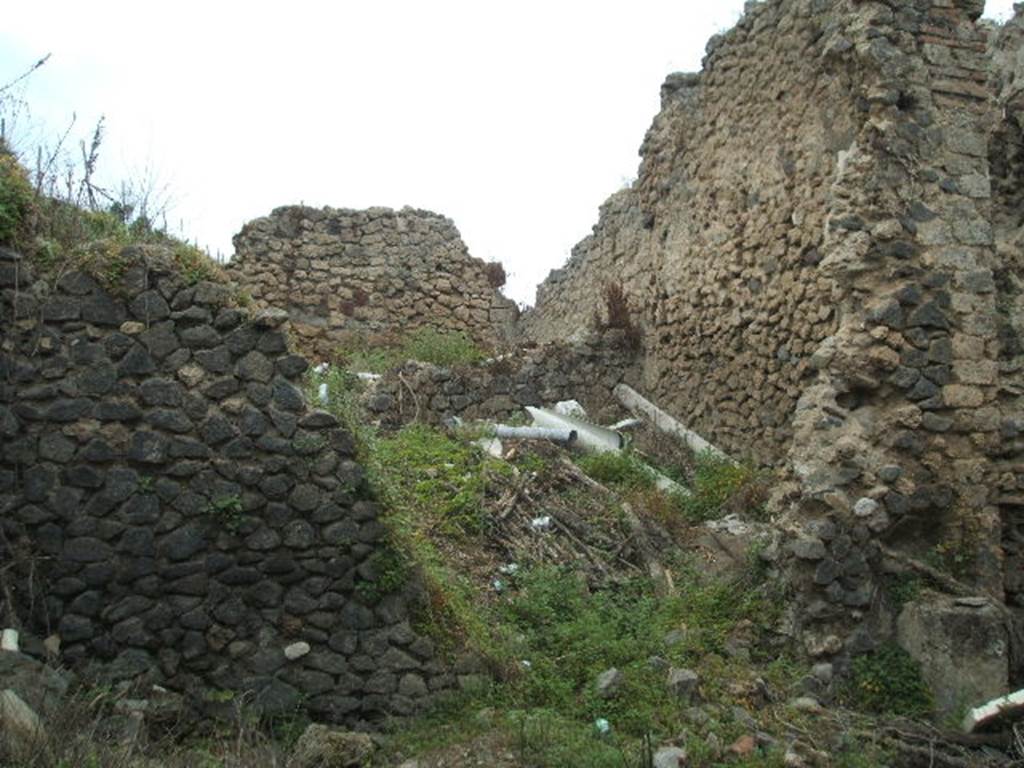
point(348, 276)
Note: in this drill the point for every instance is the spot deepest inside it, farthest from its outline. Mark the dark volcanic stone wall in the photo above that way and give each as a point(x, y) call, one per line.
point(497, 390)
point(172, 510)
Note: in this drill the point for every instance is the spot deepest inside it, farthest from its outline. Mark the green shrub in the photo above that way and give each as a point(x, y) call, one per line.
point(719, 486)
point(888, 681)
point(195, 265)
point(620, 469)
point(435, 476)
point(391, 572)
point(442, 348)
point(426, 345)
point(16, 198)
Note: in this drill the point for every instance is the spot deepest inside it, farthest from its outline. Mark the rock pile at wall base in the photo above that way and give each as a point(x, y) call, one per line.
point(176, 513)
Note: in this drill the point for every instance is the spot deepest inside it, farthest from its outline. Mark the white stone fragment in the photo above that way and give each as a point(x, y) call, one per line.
point(1009, 707)
point(9, 640)
point(296, 651)
point(865, 507)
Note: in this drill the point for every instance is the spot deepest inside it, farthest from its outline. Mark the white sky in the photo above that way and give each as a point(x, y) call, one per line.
point(515, 119)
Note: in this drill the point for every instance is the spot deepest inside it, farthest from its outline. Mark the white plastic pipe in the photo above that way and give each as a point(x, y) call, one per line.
point(633, 400)
point(590, 436)
point(558, 435)
point(626, 424)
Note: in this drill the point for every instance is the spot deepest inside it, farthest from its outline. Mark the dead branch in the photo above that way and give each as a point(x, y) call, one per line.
point(26, 74)
point(660, 575)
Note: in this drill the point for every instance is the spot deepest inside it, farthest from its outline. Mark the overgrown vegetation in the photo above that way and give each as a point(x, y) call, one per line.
point(888, 681)
point(16, 197)
point(54, 211)
point(426, 345)
point(720, 487)
point(617, 315)
point(495, 272)
point(91, 730)
point(624, 470)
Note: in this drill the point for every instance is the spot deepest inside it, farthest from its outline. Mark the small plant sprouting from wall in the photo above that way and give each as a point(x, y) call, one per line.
point(227, 510)
point(496, 276)
point(617, 314)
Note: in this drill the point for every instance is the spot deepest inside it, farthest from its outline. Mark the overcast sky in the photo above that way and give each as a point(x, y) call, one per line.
point(515, 119)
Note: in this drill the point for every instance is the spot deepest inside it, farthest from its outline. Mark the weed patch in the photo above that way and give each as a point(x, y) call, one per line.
point(888, 681)
point(16, 198)
point(426, 345)
point(622, 470)
point(719, 487)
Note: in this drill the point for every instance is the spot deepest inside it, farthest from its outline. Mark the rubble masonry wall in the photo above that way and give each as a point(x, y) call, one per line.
point(174, 512)
point(345, 275)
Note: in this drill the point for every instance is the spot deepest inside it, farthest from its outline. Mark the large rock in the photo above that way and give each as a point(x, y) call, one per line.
point(962, 647)
point(39, 686)
point(324, 747)
point(21, 730)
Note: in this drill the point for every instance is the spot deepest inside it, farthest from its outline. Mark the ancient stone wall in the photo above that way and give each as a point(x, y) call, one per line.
point(822, 249)
point(173, 511)
point(718, 242)
point(1006, 161)
point(586, 371)
point(345, 274)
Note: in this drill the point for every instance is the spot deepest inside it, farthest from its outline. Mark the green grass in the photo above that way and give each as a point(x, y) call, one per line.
point(435, 476)
point(719, 486)
point(16, 198)
point(888, 681)
point(622, 470)
point(568, 634)
point(426, 345)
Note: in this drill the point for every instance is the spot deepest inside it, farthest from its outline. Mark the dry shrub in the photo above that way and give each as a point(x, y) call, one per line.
point(495, 272)
point(90, 729)
point(619, 317)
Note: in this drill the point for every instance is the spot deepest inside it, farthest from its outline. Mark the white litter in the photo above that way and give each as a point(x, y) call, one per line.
point(9, 640)
point(322, 393)
point(1009, 707)
point(498, 585)
point(491, 446)
point(570, 408)
point(510, 570)
point(602, 726)
point(321, 369)
point(368, 376)
point(541, 523)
